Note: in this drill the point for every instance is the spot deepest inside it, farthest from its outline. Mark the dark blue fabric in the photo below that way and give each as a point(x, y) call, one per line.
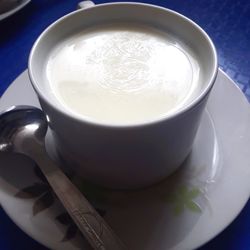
point(226, 21)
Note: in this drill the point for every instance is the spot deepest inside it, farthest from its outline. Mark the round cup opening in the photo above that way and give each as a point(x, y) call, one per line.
point(184, 30)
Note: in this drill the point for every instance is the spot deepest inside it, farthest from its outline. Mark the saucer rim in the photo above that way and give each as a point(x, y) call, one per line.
point(13, 11)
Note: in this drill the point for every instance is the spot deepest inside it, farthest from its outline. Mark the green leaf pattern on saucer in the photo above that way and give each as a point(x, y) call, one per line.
point(183, 197)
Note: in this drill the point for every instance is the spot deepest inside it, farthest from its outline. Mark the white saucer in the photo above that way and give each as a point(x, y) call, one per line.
point(183, 212)
point(22, 3)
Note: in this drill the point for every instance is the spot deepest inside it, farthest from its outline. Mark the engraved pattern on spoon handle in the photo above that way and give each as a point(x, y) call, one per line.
point(91, 224)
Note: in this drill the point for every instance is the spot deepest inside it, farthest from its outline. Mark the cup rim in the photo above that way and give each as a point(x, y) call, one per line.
point(190, 105)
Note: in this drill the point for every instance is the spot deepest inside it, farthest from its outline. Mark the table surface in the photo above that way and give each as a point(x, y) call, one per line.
point(226, 21)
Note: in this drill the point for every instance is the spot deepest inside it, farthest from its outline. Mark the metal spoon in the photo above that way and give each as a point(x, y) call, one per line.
point(23, 130)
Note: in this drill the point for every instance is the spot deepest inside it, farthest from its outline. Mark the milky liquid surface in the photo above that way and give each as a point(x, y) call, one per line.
point(122, 74)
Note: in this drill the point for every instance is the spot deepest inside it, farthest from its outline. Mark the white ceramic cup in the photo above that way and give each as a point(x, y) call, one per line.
point(129, 156)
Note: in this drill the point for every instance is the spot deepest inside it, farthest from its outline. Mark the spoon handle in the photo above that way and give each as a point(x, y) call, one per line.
point(91, 224)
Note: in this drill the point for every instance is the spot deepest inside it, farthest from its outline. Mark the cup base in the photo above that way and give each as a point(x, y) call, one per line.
point(124, 183)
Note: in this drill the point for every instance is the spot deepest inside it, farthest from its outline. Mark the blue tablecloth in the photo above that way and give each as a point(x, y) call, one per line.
point(226, 21)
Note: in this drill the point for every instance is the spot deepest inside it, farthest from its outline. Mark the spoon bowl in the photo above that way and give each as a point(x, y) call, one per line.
point(21, 123)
